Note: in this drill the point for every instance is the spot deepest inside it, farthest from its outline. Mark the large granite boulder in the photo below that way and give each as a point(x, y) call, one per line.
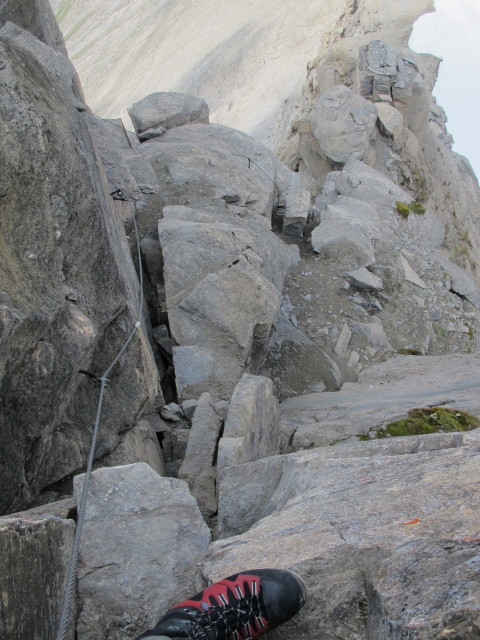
point(69, 290)
point(342, 123)
point(223, 277)
point(35, 551)
point(252, 426)
point(200, 165)
point(385, 535)
point(160, 111)
point(142, 541)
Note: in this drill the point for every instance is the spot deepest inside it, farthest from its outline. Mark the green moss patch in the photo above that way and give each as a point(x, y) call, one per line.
point(431, 420)
point(403, 209)
point(417, 207)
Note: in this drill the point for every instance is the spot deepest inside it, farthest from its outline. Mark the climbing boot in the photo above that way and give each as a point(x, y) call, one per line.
point(240, 607)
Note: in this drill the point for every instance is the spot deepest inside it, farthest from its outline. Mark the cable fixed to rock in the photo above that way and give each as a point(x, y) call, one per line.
point(70, 584)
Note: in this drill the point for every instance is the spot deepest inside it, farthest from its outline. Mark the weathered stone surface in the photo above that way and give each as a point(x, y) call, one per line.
point(371, 335)
point(342, 122)
point(252, 426)
point(359, 181)
point(298, 363)
point(326, 78)
point(222, 283)
point(69, 289)
point(384, 393)
point(461, 282)
point(142, 540)
point(166, 110)
point(199, 164)
point(377, 65)
point(35, 16)
point(352, 210)
point(387, 75)
point(358, 523)
point(34, 554)
point(364, 279)
point(344, 241)
point(139, 444)
point(198, 466)
point(390, 120)
point(113, 143)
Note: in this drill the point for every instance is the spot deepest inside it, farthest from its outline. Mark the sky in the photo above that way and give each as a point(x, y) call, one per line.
point(452, 32)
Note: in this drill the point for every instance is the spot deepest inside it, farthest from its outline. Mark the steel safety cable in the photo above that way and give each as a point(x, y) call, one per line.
point(69, 593)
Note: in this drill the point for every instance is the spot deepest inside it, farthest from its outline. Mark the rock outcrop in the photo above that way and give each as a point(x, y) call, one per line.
point(223, 277)
point(35, 550)
point(153, 537)
point(342, 123)
point(359, 523)
point(248, 63)
point(158, 112)
point(69, 289)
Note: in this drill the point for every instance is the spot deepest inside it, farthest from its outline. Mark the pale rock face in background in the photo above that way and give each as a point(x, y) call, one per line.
point(246, 60)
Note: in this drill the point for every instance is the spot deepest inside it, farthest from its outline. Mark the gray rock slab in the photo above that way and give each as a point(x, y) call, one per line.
point(222, 283)
point(64, 310)
point(165, 110)
point(342, 122)
point(370, 335)
point(34, 555)
point(111, 140)
point(198, 163)
point(252, 422)
point(355, 211)
point(461, 282)
point(238, 513)
point(362, 182)
point(297, 363)
point(390, 121)
point(35, 16)
point(426, 230)
point(377, 63)
point(139, 444)
point(364, 279)
point(357, 529)
point(343, 341)
point(200, 457)
point(198, 370)
point(142, 541)
point(343, 241)
point(384, 393)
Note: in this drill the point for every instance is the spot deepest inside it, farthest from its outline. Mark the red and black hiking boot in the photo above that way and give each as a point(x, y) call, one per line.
point(240, 607)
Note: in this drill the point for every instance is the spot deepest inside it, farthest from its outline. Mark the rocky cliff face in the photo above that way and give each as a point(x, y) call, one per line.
point(69, 290)
point(340, 279)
